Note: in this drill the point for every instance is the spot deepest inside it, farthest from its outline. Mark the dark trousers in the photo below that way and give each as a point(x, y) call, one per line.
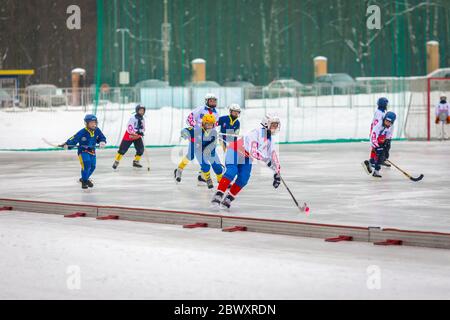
point(138, 145)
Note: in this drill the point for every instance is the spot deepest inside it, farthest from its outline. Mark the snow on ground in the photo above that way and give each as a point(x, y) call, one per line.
point(50, 257)
point(25, 129)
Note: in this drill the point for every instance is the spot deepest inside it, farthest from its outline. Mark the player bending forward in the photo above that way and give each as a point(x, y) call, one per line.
point(257, 144)
point(377, 118)
point(203, 142)
point(133, 135)
point(380, 139)
point(87, 140)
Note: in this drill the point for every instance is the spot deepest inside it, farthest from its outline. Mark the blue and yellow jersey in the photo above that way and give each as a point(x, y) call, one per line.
point(229, 126)
point(200, 138)
point(86, 140)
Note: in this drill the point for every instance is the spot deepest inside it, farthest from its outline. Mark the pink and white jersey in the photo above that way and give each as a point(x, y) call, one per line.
point(442, 108)
point(380, 133)
point(133, 128)
point(256, 145)
point(195, 117)
point(377, 118)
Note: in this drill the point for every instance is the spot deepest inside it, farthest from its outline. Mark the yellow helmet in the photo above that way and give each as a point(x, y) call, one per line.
point(209, 118)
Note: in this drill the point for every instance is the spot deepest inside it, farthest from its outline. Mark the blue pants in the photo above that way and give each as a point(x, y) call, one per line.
point(207, 161)
point(88, 163)
point(237, 165)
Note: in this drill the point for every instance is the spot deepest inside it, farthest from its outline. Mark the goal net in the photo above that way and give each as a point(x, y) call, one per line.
point(424, 96)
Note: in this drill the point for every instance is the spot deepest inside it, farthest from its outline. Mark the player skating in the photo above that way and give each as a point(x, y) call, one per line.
point(442, 117)
point(202, 146)
point(382, 104)
point(194, 121)
point(133, 135)
point(380, 138)
point(256, 145)
point(230, 125)
point(87, 140)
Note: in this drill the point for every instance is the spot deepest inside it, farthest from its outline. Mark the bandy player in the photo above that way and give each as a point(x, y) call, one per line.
point(256, 145)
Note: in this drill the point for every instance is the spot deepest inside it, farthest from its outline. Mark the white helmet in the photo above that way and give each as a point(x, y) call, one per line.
point(234, 107)
point(268, 120)
point(210, 96)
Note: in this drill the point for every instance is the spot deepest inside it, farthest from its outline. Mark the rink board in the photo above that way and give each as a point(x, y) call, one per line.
point(290, 228)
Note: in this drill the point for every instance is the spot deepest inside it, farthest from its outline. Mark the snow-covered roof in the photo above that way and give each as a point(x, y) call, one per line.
point(79, 70)
point(198, 60)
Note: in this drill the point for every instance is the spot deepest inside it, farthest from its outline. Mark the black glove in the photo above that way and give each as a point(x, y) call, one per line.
point(387, 147)
point(140, 133)
point(276, 180)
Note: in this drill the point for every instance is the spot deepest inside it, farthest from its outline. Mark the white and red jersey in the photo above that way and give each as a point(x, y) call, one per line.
point(377, 118)
point(195, 117)
point(135, 127)
point(256, 145)
point(380, 133)
point(442, 108)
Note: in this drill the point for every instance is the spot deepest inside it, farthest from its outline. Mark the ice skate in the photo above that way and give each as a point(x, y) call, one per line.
point(200, 180)
point(177, 175)
point(115, 165)
point(136, 164)
point(226, 203)
point(367, 167)
point(376, 174)
point(209, 183)
point(89, 183)
point(217, 198)
point(84, 185)
point(385, 164)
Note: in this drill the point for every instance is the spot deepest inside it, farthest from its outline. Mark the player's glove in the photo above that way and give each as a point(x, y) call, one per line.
point(102, 145)
point(276, 180)
point(140, 133)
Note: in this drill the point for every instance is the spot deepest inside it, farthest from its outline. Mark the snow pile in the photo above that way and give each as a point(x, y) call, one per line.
point(303, 119)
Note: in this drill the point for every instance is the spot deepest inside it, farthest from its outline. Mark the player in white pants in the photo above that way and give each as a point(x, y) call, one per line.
point(442, 117)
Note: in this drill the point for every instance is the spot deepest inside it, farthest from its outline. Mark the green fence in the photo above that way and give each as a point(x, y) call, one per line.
point(259, 40)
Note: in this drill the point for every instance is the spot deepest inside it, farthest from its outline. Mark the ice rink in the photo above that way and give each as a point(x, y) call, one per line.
point(329, 177)
point(50, 257)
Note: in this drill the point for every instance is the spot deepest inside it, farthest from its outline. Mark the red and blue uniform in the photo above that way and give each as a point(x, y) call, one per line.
point(87, 141)
point(256, 145)
point(380, 135)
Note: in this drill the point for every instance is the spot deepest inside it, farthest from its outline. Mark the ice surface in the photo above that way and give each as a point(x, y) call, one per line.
point(42, 256)
point(328, 176)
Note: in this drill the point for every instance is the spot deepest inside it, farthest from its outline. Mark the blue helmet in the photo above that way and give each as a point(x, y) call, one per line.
point(90, 117)
point(139, 107)
point(383, 103)
point(390, 116)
